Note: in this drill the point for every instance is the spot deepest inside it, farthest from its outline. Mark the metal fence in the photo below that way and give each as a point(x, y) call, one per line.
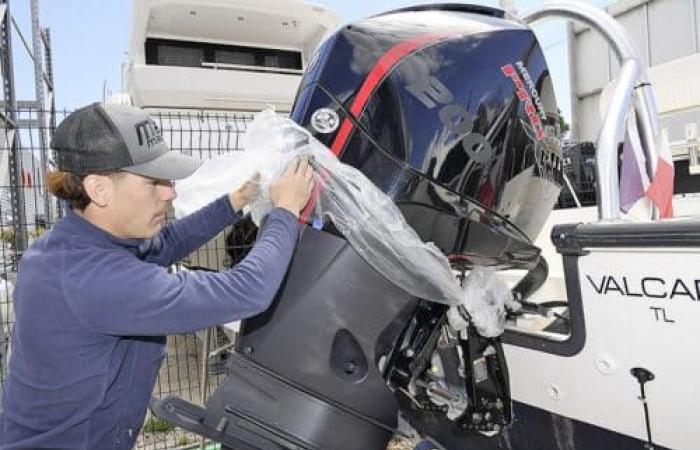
point(185, 372)
point(20, 226)
point(579, 169)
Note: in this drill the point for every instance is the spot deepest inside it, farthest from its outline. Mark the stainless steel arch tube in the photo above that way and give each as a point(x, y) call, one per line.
point(633, 80)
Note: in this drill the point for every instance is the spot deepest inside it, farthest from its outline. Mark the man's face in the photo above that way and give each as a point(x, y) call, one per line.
point(138, 204)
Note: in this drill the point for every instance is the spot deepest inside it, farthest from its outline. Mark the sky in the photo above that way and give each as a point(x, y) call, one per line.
point(90, 37)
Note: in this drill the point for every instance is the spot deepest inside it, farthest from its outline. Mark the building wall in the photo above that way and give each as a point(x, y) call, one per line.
point(664, 30)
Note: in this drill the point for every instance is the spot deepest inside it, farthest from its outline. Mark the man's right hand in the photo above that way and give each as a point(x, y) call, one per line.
point(292, 190)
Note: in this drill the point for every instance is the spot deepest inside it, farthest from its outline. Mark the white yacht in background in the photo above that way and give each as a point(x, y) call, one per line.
point(222, 55)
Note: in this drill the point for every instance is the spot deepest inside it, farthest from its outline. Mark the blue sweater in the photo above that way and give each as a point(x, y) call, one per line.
point(92, 313)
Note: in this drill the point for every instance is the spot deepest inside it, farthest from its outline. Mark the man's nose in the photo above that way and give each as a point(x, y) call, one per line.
point(168, 192)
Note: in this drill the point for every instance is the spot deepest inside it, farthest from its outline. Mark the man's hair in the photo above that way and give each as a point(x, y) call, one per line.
point(69, 187)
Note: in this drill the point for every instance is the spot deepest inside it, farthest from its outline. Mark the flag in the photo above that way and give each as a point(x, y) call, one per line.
point(634, 180)
point(660, 192)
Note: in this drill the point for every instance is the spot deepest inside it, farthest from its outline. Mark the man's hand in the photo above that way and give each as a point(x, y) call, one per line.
point(291, 191)
point(245, 194)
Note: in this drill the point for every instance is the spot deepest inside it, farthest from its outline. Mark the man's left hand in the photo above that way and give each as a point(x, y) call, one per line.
point(245, 194)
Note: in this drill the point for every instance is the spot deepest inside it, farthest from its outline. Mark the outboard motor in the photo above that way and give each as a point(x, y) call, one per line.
point(449, 110)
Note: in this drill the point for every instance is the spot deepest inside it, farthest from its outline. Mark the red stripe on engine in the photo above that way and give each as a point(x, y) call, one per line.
point(376, 75)
point(342, 137)
point(381, 68)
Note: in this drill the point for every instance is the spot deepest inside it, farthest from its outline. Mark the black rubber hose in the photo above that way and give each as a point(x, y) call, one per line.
point(532, 281)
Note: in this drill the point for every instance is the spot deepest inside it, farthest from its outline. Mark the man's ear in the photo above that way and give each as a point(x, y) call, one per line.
point(99, 188)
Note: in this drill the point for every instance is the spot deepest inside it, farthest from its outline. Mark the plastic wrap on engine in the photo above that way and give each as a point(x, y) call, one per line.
point(366, 217)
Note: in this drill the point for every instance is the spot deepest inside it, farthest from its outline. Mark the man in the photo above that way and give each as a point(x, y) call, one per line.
point(94, 299)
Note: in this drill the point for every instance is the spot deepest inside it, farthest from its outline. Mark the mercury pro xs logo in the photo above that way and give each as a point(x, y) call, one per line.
point(531, 100)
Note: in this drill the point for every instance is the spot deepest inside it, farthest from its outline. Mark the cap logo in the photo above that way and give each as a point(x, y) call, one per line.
point(148, 132)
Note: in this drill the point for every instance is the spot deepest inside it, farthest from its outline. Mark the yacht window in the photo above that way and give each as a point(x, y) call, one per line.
point(164, 52)
point(272, 61)
point(170, 55)
point(233, 57)
point(285, 60)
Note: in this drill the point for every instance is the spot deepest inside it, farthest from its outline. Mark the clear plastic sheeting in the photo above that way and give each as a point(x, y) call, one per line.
point(368, 219)
point(486, 297)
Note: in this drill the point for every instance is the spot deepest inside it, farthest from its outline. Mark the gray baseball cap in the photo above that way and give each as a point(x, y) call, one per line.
point(104, 137)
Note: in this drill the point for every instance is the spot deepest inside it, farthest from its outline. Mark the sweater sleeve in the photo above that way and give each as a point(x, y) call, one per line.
point(129, 297)
point(186, 235)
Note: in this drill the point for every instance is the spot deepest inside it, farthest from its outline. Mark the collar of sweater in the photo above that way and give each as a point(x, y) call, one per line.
point(76, 225)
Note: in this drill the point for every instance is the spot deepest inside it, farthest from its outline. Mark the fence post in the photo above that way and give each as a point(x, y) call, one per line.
point(15, 161)
point(39, 79)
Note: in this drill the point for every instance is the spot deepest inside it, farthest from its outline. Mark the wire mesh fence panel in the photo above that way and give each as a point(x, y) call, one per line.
point(579, 169)
point(26, 208)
